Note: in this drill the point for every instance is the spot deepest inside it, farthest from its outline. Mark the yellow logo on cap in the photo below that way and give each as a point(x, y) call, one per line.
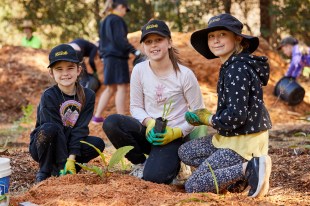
point(151, 26)
point(61, 53)
point(214, 20)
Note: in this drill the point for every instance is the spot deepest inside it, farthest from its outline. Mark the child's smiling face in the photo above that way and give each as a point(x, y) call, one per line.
point(222, 43)
point(65, 74)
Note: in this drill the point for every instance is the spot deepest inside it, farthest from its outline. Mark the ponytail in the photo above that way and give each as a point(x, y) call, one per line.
point(80, 94)
point(79, 89)
point(174, 57)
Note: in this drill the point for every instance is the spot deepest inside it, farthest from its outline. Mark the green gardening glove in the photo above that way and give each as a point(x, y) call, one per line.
point(151, 136)
point(169, 135)
point(69, 167)
point(199, 117)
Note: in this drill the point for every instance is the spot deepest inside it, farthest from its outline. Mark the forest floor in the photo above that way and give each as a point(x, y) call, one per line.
point(23, 77)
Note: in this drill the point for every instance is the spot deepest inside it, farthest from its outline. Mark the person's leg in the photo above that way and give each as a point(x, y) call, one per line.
point(196, 151)
point(123, 131)
point(48, 148)
point(163, 163)
point(91, 59)
point(227, 167)
point(104, 99)
point(120, 98)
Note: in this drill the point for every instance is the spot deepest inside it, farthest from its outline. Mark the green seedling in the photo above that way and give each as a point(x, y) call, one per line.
point(117, 157)
point(167, 110)
point(214, 179)
point(94, 169)
point(2, 197)
point(99, 152)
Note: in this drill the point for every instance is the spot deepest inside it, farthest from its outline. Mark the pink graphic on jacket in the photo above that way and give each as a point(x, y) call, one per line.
point(159, 94)
point(69, 112)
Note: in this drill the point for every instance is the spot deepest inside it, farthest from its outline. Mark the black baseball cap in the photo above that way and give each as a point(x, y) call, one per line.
point(62, 52)
point(199, 39)
point(122, 2)
point(155, 27)
point(287, 40)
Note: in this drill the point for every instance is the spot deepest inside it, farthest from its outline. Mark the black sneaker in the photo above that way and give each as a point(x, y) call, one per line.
point(238, 186)
point(42, 176)
point(257, 174)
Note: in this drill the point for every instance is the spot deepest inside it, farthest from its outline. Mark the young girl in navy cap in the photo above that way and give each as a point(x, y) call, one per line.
point(63, 115)
point(238, 152)
point(156, 82)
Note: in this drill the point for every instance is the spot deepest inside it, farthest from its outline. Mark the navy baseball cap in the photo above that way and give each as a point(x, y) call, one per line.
point(62, 52)
point(287, 40)
point(155, 27)
point(199, 39)
point(122, 2)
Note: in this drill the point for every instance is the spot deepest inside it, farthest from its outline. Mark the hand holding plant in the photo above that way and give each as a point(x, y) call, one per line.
point(168, 136)
point(198, 117)
point(69, 167)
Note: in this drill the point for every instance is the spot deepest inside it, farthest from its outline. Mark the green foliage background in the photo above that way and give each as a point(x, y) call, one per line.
point(59, 21)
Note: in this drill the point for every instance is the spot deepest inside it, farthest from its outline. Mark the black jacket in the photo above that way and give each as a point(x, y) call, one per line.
point(241, 108)
point(54, 105)
point(113, 38)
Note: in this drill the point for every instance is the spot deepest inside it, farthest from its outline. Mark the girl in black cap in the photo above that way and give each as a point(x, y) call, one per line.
point(63, 115)
point(238, 152)
point(156, 82)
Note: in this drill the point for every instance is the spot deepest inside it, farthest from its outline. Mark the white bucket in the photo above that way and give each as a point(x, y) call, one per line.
point(5, 172)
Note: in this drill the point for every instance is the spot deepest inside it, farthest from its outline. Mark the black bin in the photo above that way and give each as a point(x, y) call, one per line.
point(289, 90)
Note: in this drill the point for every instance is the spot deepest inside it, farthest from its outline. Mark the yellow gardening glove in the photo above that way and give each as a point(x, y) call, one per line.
point(199, 117)
point(70, 167)
point(169, 135)
point(149, 125)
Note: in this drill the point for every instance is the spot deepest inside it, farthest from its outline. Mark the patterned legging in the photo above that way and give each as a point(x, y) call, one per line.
point(225, 163)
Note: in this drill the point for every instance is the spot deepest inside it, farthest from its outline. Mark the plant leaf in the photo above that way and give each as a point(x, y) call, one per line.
point(94, 169)
point(118, 155)
point(214, 179)
point(298, 134)
point(99, 152)
point(2, 197)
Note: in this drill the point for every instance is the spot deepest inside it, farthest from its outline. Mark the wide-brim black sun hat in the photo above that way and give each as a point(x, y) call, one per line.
point(199, 39)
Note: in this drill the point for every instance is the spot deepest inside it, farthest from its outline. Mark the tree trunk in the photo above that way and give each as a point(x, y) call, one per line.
point(227, 6)
point(265, 19)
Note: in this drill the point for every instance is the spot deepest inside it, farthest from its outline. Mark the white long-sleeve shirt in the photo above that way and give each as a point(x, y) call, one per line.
point(149, 93)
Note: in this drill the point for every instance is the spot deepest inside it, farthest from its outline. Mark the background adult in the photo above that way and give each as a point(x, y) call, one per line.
point(30, 40)
point(114, 50)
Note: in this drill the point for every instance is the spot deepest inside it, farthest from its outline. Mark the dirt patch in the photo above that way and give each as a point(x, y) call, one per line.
point(23, 77)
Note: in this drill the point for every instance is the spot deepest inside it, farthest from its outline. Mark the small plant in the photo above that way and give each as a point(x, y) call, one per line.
point(214, 179)
point(25, 119)
point(161, 122)
point(117, 157)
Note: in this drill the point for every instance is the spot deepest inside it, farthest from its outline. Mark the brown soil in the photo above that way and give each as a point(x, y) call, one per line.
point(23, 77)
